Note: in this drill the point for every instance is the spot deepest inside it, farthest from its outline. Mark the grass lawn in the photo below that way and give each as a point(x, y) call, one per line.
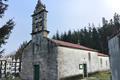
point(101, 76)
point(94, 76)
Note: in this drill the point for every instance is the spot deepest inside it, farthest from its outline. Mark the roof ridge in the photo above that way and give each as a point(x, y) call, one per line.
point(72, 45)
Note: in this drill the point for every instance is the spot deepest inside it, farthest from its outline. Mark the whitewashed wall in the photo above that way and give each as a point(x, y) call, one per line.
point(93, 62)
point(104, 63)
point(69, 60)
point(114, 51)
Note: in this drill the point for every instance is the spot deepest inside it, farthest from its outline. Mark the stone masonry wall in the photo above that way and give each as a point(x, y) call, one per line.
point(27, 68)
point(45, 55)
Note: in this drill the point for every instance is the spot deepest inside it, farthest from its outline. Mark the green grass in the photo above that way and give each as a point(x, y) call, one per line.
point(101, 76)
point(94, 76)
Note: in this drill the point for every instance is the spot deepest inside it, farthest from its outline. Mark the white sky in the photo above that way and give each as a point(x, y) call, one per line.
point(63, 15)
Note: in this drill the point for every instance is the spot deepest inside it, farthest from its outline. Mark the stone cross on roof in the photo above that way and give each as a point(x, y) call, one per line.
point(39, 7)
point(39, 1)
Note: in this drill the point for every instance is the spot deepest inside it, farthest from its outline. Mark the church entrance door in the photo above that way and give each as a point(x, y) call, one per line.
point(85, 70)
point(36, 72)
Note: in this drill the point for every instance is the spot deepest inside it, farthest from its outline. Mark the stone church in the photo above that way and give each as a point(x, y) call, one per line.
point(48, 59)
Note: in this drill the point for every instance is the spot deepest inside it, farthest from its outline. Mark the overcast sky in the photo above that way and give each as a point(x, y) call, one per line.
point(63, 15)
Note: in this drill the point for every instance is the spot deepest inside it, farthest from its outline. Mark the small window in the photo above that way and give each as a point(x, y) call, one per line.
point(80, 66)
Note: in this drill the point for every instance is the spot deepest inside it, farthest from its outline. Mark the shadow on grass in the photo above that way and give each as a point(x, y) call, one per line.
point(104, 75)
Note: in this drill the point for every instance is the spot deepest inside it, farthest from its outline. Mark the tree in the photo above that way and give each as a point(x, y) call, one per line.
point(19, 53)
point(56, 36)
point(6, 29)
point(93, 37)
point(69, 36)
point(3, 7)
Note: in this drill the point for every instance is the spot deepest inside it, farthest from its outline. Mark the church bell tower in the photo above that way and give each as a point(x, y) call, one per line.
point(39, 20)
